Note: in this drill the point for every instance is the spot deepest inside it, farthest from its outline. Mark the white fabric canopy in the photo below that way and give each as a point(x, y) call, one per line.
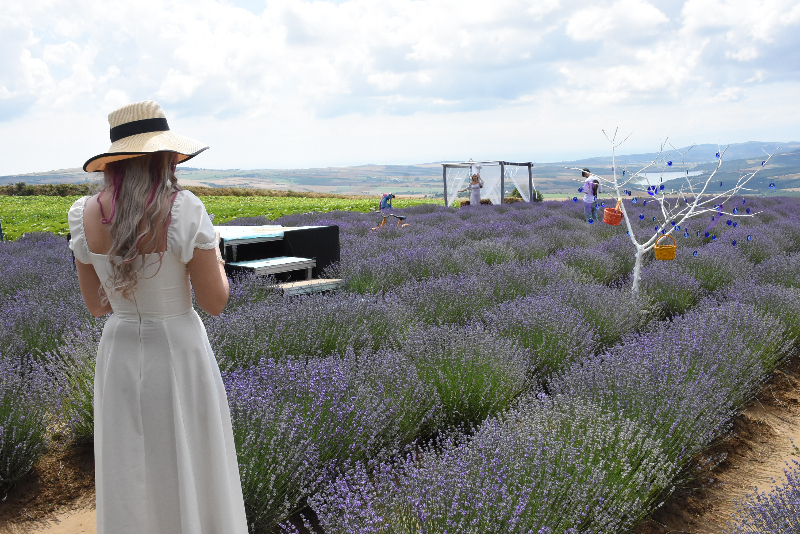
point(491, 183)
point(518, 175)
point(455, 176)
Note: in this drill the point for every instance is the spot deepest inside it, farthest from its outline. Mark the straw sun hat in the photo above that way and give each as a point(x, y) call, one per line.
point(141, 128)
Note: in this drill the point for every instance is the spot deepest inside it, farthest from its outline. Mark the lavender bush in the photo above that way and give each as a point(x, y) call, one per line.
point(293, 420)
point(39, 296)
point(611, 311)
point(473, 372)
point(686, 379)
point(550, 465)
point(449, 299)
point(72, 365)
point(26, 396)
point(599, 265)
point(554, 333)
point(776, 511)
point(781, 270)
point(309, 326)
point(672, 290)
point(778, 301)
point(523, 278)
point(715, 266)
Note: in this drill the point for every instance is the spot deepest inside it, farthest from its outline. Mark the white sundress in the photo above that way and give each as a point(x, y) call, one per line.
point(165, 459)
point(474, 194)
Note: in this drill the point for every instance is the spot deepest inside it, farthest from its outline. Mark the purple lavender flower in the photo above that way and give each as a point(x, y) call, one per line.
point(776, 511)
point(293, 421)
point(26, 406)
point(514, 475)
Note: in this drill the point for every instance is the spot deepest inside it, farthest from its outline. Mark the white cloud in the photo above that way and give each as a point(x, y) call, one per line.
point(624, 17)
point(303, 66)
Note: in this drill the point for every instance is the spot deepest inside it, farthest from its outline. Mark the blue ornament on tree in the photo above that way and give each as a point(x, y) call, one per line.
point(580, 190)
point(772, 186)
point(574, 199)
point(749, 238)
point(669, 164)
point(694, 253)
point(641, 217)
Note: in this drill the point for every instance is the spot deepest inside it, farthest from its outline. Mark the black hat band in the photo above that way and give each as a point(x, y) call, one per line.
point(158, 124)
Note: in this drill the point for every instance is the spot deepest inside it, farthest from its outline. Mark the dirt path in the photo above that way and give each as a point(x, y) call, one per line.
point(762, 441)
point(69, 520)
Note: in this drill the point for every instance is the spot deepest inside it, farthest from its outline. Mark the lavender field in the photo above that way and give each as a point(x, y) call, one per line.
point(487, 369)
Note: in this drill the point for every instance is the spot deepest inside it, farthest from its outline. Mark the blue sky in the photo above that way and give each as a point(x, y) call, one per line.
point(293, 83)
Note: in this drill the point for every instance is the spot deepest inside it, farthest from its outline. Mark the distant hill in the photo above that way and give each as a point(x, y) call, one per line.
point(704, 153)
point(426, 179)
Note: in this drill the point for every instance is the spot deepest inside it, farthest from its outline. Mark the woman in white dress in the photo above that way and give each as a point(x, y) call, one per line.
point(165, 460)
point(474, 187)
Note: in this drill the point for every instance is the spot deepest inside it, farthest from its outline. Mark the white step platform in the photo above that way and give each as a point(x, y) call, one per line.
point(241, 235)
point(282, 264)
point(318, 285)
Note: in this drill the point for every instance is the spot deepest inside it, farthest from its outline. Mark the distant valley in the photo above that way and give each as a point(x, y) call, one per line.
point(425, 180)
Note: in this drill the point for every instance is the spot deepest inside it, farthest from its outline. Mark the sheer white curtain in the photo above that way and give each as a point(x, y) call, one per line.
point(491, 183)
point(455, 176)
point(518, 175)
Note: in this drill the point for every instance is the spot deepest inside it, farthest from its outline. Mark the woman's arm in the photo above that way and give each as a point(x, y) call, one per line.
point(90, 289)
point(209, 280)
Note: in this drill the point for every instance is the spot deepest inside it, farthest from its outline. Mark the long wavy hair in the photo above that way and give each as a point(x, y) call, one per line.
point(144, 189)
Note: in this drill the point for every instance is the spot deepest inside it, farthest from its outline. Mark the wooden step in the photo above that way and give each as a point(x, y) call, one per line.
point(282, 264)
point(311, 286)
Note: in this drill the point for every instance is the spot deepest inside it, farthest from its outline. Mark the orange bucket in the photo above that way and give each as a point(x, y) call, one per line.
point(612, 216)
point(666, 252)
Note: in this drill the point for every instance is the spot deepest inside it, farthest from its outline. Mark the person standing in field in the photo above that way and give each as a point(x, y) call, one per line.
point(165, 457)
point(591, 188)
point(474, 187)
point(386, 201)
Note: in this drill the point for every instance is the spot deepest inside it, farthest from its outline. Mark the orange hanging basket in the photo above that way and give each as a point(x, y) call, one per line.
point(666, 252)
point(612, 216)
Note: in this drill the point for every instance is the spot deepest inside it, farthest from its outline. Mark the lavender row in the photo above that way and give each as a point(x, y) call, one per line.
point(537, 316)
point(618, 430)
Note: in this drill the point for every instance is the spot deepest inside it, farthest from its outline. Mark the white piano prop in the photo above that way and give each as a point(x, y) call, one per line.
point(295, 256)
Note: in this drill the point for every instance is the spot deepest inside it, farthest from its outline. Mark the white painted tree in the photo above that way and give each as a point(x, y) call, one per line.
point(693, 199)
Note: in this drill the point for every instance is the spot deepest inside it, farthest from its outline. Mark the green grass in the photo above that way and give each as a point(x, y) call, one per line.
point(26, 214)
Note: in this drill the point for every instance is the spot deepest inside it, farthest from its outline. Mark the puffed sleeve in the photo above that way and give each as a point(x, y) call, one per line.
point(190, 227)
point(77, 240)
